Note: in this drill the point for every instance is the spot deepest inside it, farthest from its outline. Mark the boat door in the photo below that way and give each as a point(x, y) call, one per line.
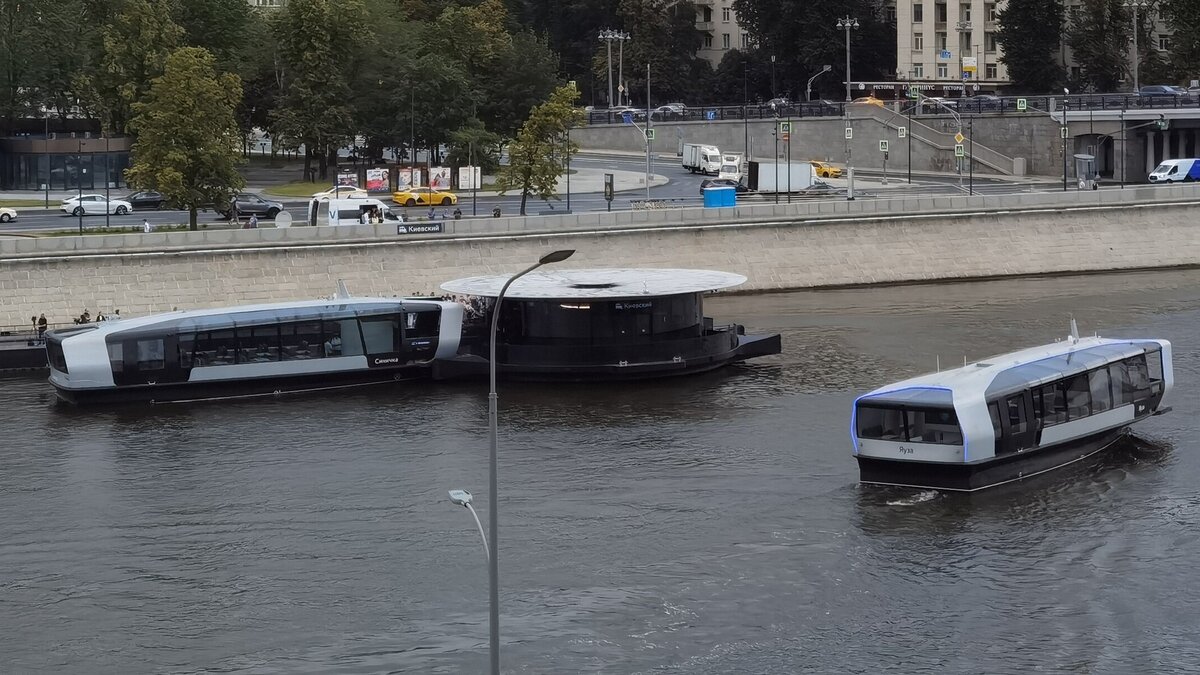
point(1018, 424)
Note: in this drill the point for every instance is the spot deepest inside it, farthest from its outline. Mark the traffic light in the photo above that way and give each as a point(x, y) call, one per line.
point(1163, 123)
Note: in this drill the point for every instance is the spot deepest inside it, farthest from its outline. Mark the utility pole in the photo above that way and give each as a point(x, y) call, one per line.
point(1135, 5)
point(649, 134)
point(608, 36)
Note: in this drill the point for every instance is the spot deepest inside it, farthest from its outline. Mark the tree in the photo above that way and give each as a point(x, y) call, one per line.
point(1030, 35)
point(136, 45)
point(570, 29)
point(187, 136)
point(1098, 34)
point(1183, 18)
point(664, 35)
point(220, 26)
point(535, 158)
point(804, 37)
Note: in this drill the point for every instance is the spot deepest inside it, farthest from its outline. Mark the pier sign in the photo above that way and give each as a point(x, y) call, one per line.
point(420, 228)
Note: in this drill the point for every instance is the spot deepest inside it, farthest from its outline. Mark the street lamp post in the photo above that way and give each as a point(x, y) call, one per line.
point(745, 114)
point(912, 75)
point(962, 27)
point(493, 512)
point(622, 90)
point(808, 86)
point(464, 498)
point(773, 94)
point(848, 24)
point(79, 182)
point(607, 37)
point(1064, 132)
point(1135, 5)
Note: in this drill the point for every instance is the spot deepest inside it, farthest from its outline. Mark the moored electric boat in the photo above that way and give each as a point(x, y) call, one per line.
point(252, 350)
point(1009, 416)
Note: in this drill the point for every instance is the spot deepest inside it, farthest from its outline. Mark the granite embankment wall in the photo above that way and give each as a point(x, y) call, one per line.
point(775, 246)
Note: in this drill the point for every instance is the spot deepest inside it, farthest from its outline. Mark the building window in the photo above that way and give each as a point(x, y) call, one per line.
point(707, 15)
point(941, 42)
point(964, 43)
point(745, 40)
point(1164, 43)
point(918, 12)
point(891, 14)
point(725, 14)
point(939, 12)
point(918, 70)
point(989, 42)
point(943, 71)
point(918, 41)
point(991, 72)
point(1076, 72)
point(991, 11)
point(724, 40)
point(707, 41)
point(964, 13)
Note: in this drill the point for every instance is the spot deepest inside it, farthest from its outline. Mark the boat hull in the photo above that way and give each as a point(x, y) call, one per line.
point(981, 475)
point(746, 347)
point(237, 388)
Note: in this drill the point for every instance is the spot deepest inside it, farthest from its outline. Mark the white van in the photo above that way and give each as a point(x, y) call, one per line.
point(1176, 170)
point(325, 211)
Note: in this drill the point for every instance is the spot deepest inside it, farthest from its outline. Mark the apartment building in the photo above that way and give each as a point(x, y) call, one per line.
point(717, 21)
point(267, 3)
point(949, 43)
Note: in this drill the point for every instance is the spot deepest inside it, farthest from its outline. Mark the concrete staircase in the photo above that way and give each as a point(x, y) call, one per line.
point(942, 140)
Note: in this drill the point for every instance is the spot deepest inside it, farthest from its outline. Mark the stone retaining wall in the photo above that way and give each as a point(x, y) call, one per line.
point(808, 245)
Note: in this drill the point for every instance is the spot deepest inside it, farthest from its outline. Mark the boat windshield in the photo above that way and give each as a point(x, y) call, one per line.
point(925, 424)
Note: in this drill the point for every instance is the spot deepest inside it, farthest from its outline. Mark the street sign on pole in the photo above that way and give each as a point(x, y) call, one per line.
point(944, 55)
point(1062, 131)
point(903, 132)
point(959, 151)
point(958, 137)
point(785, 127)
point(883, 146)
point(608, 189)
point(785, 137)
point(1022, 104)
point(849, 133)
point(650, 134)
point(914, 91)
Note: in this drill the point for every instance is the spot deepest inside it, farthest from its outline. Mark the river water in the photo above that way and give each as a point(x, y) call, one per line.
point(710, 524)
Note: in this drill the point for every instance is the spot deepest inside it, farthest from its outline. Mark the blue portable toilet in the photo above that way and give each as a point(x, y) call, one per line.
point(716, 197)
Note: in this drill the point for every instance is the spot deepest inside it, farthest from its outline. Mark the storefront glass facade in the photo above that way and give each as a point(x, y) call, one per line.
point(87, 171)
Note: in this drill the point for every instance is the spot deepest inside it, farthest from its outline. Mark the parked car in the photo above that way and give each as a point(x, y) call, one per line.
point(146, 199)
point(825, 169)
point(423, 196)
point(722, 182)
point(1158, 90)
point(664, 112)
point(7, 215)
point(980, 102)
point(342, 192)
point(821, 108)
point(80, 205)
point(679, 108)
point(249, 204)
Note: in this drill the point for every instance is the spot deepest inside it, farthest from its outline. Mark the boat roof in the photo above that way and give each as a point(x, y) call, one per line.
point(1014, 371)
point(597, 283)
point(122, 324)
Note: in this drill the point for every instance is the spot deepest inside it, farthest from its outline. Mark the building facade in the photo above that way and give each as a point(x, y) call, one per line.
point(949, 43)
point(717, 22)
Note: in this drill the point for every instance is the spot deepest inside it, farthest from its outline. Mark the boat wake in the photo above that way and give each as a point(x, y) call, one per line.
point(912, 500)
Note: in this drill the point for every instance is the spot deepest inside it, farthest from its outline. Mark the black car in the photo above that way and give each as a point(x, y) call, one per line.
point(723, 182)
point(248, 204)
point(146, 199)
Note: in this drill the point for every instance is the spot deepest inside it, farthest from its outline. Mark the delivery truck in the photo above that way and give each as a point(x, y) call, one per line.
point(768, 177)
point(731, 166)
point(1176, 170)
point(705, 159)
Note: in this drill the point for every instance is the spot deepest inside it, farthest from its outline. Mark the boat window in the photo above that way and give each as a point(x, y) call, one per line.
point(151, 354)
point(54, 353)
point(1101, 394)
point(264, 344)
point(422, 324)
point(1139, 375)
point(381, 334)
point(885, 424)
point(1017, 424)
point(918, 425)
point(116, 357)
point(185, 346)
point(342, 338)
point(933, 425)
point(300, 341)
point(1154, 363)
point(994, 413)
point(1050, 404)
point(1118, 374)
point(1079, 397)
point(215, 348)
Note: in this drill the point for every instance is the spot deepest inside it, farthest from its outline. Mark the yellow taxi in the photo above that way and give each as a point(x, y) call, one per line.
point(825, 169)
point(423, 196)
point(869, 100)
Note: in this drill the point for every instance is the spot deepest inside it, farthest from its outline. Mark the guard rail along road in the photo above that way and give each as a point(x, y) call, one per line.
point(777, 246)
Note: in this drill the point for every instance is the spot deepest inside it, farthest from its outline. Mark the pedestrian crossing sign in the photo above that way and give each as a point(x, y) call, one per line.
point(1022, 104)
point(785, 127)
point(903, 132)
point(650, 134)
point(959, 151)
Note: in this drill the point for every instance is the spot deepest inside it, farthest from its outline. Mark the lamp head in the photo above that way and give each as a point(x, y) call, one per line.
point(556, 256)
point(460, 497)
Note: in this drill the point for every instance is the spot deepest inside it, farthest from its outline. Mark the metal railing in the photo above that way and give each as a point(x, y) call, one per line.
point(970, 104)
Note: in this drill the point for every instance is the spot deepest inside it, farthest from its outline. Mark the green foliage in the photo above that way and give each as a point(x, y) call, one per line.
point(187, 136)
point(473, 144)
point(536, 157)
point(804, 37)
point(569, 28)
point(1183, 17)
point(135, 46)
point(1099, 33)
point(220, 26)
point(1029, 34)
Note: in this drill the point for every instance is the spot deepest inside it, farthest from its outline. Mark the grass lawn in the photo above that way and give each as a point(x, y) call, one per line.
point(14, 203)
point(300, 188)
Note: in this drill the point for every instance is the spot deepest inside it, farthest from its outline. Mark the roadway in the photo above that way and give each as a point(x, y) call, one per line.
point(683, 189)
